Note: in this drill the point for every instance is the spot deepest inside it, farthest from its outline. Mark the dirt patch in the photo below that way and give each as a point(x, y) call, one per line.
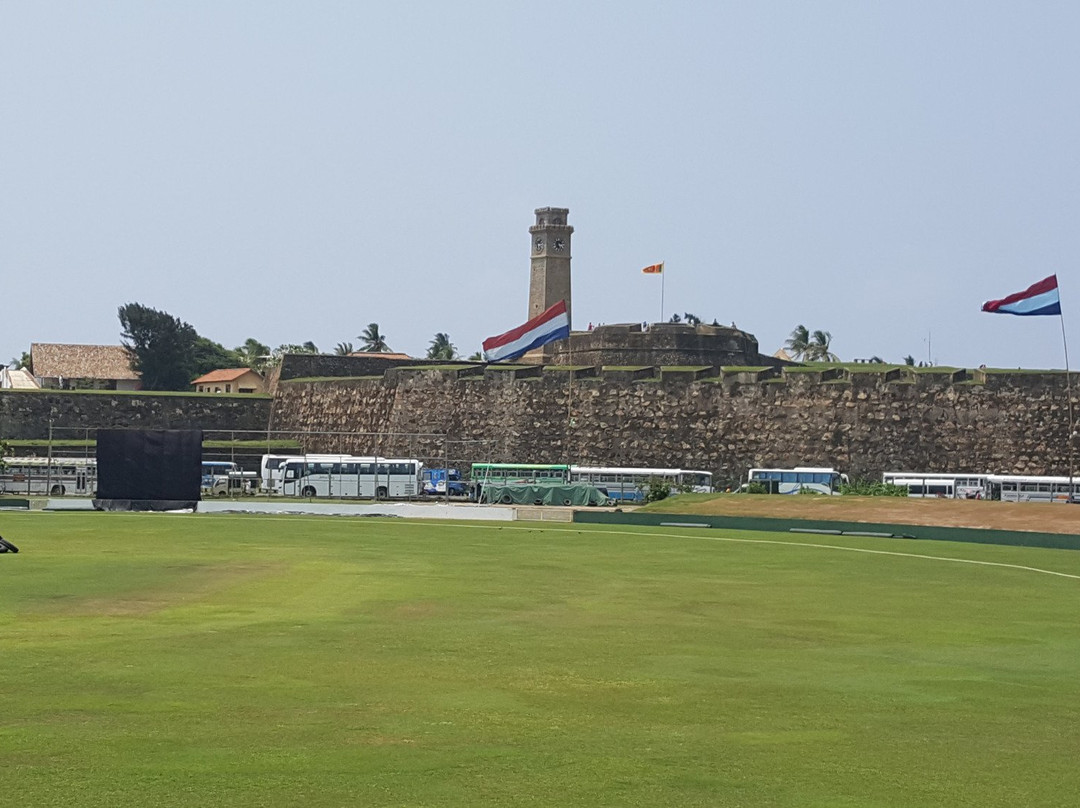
point(1039, 517)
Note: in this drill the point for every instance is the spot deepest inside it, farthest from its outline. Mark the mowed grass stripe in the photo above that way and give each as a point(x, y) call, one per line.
point(240, 660)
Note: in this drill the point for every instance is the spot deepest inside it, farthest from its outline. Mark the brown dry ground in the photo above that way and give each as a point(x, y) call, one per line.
point(1040, 517)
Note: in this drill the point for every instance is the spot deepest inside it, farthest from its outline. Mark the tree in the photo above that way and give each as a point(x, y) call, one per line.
point(343, 349)
point(441, 348)
point(818, 350)
point(208, 355)
point(909, 360)
point(161, 347)
point(476, 357)
point(21, 361)
point(798, 344)
point(253, 354)
point(373, 341)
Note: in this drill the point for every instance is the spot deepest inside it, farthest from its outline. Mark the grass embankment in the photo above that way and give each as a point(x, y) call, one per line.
point(251, 661)
point(1042, 517)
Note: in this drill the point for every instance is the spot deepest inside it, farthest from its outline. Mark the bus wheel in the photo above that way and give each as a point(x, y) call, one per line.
point(56, 491)
point(307, 491)
point(568, 501)
point(381, 492)
point(223, 493)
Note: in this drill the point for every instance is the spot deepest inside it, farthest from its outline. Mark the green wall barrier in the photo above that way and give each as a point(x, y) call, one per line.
point(1016, 538)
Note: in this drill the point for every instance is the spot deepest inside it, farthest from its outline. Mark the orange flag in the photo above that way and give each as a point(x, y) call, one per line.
point(654, 269)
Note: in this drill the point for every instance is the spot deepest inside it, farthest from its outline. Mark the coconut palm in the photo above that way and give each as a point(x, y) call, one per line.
point(476, 357)
point(343, 349)
point(818, 349)
point(798, 344)
point(254, 354)
point(441, 347)
point(373, 341)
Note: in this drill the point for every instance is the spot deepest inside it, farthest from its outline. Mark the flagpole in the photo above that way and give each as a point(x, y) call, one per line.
point(1068, 392)
point(662, 267)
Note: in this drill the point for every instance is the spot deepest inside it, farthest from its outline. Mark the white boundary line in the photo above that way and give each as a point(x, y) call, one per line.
point(544, 527)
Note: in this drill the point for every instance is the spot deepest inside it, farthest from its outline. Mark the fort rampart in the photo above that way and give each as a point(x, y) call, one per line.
point(722, 420)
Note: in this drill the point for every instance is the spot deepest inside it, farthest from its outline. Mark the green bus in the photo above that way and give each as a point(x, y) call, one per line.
point(516, 474)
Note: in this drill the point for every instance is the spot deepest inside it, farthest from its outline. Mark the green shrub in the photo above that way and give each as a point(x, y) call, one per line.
point(658, 489)
point(755, 488)
point(873, 488)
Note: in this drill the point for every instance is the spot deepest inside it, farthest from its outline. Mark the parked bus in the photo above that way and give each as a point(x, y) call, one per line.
point(482, 474)
point(44, 476)
point(378, 477)
point(221, 478)
point(631, 484)
point(1025, 488)
point(939, 485)
point(792, 481)
point(270, 468)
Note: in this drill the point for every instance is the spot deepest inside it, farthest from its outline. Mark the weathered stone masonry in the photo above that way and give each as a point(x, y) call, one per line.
point(726, 422)
point(863, 423)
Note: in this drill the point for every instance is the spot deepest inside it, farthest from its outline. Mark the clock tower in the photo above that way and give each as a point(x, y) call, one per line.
point(549, 246)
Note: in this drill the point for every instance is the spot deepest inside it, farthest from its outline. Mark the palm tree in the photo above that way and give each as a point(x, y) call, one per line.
point(254, 354)
point(343, 349)
point(441, 348)
point(308, 347)
point(798, 344)
point(476, 357)
point(374, 342)
point(818, 349)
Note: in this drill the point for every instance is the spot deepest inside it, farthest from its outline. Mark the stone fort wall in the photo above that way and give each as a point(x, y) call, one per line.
point(724, 422)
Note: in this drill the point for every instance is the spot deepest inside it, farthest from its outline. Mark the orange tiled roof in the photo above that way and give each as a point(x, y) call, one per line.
point(52, 360)
point(225, 375)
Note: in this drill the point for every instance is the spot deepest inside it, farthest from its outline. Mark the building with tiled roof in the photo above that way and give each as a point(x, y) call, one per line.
point(230, 380)
point(81, 367)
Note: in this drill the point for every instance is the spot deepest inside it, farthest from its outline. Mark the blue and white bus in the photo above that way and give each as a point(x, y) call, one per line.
point(800, 478)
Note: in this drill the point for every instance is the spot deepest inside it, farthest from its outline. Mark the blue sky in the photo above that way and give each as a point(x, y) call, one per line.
point(295, 171)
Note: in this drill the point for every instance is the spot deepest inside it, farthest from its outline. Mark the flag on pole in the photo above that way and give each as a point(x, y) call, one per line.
point(553, 324)
point(1039, 298)
point(654, 269)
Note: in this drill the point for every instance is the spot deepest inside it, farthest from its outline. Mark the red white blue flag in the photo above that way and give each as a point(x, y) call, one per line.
point(553, 324)
point(1039, 298)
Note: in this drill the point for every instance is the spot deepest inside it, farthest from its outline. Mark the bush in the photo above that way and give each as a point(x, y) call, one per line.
point(658, 489)
point(872, 488)
point(755, 488)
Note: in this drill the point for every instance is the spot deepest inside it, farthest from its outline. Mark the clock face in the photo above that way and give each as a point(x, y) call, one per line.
point(539, 245)
point(558, 244)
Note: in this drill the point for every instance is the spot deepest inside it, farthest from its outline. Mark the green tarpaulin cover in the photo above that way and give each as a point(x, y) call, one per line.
point(544, 494)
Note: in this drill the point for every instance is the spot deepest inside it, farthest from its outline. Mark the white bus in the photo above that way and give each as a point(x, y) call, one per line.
point(792, 481)
point(1026, 488)
point(378, 477)
point(631, 484)
point(45, 476)
point(939, 485)
point(271, 468)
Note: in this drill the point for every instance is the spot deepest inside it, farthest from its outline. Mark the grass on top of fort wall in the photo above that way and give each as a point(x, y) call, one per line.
point(174, 660)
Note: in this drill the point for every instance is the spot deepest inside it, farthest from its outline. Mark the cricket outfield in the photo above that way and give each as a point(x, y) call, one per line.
point(247, 660)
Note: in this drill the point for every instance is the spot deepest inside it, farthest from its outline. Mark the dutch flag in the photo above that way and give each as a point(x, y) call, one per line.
point(553, 324)
point(1039, 298)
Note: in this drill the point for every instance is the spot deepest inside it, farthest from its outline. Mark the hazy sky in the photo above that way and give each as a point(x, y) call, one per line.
point(294, 171)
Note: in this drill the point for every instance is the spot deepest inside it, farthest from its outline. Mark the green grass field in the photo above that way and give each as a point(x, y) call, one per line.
point(200, 660)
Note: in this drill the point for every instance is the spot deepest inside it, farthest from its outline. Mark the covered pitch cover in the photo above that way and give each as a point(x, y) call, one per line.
point(148, 469)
